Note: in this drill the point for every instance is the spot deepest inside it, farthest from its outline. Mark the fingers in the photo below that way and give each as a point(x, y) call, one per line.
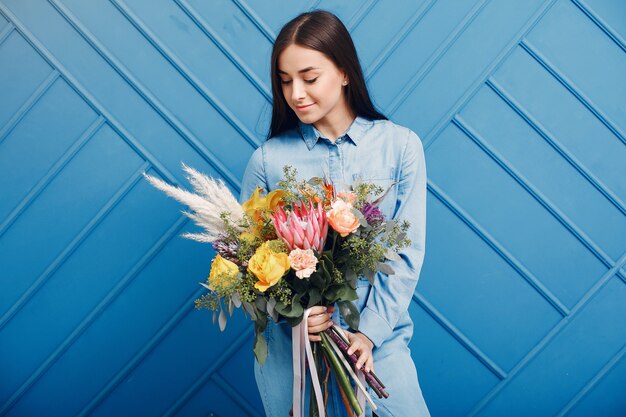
point(314, 338)
point(365, 359)
point(317, 310)
point(319, 322)
point(320, 327)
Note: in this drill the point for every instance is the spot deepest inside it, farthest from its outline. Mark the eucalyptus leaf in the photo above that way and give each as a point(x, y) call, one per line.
point(385, 268)
point(222, 320)
point(231, 307)
point(290, 311)
point(357, 213)
point(349, 313)
point(236, 300)
point(270, 305)
point(392, 255)
point(351, 277)
point(249, 308)
point(388, 228)
point(317, 279)
point(271, 310)
point(260, 347)
point(261, 304)
point(205, 286)
point(214, 316)
point(314, 297)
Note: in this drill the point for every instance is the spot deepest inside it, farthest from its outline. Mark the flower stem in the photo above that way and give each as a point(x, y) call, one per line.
point(370, 377)
point(342, 377)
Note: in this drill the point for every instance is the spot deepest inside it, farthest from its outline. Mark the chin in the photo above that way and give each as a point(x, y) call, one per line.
point(307, 118)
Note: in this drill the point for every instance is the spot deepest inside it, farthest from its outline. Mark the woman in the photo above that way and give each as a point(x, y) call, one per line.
point(323, 122)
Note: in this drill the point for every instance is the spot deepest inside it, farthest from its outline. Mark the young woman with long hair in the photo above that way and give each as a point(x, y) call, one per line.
point(324, 123)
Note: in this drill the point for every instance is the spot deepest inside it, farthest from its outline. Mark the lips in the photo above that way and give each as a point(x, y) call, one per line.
point(304, 107)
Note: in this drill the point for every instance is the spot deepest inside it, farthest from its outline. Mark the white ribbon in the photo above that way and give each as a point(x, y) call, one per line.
point(300, 337)
point(302, 352)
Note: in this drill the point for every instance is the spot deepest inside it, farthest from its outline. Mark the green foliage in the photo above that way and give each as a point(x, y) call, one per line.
point(282, 292)
point(210, 301)
point(365, 191)
point(296, 191)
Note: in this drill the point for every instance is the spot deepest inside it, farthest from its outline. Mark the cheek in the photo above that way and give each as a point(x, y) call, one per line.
point(328, 92)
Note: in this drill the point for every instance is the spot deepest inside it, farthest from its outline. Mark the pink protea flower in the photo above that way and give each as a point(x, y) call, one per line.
point(304, 227)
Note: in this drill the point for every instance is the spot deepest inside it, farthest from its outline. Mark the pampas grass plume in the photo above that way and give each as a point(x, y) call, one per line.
point(211, 198)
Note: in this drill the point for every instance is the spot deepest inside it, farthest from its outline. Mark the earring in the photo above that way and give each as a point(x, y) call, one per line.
point(345, 83)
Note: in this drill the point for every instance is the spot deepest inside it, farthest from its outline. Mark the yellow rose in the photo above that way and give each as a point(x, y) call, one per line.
point(223, 273)
point(268, 266)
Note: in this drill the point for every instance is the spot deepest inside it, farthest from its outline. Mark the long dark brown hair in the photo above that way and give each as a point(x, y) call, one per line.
point(324, 32)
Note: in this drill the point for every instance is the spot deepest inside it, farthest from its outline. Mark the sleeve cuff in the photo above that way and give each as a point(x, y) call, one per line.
point(374, 326)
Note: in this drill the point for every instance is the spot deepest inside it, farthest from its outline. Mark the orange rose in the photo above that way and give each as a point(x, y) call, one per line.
point(341, 218)
point(347, 196)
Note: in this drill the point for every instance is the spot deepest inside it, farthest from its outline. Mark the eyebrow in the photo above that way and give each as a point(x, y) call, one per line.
point(301, 71)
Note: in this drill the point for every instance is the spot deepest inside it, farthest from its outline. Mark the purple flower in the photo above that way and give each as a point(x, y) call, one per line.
point(372, 213)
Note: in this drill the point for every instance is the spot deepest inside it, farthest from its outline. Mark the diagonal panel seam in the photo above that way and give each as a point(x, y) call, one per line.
point(234, 395)
point(256, 20)
point(130, 140)
point(208, 374)
point(148, 97)
point(157, 338)
point(508, 257)
point(534, 192)
point(182, 69)
point(113, 294)
point(360, 14)
point(459, 336)
point(54, 266)
point(30, 102)
point(434, 133)
point(552, 141)
point(54, 170)
point(222, 46)
point(437, 55)
point(548, 338)
point(600, 23)
point(404, 31)
point(4, 34)
point(573, 89)
point(592, 382)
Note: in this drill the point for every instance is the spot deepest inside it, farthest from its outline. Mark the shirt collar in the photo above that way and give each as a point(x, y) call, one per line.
point(355, 131)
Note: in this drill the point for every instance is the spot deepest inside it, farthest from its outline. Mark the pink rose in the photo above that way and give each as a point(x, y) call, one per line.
point(303, 261)
point(341, 218)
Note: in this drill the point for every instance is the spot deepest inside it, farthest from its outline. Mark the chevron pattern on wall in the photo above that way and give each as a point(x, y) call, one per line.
point(520, 106)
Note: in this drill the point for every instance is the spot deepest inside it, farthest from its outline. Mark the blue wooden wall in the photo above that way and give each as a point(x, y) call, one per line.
point(521, 105)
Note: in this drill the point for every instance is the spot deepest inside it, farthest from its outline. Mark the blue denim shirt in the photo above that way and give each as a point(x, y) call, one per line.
point(378, 151)
point(381, 152)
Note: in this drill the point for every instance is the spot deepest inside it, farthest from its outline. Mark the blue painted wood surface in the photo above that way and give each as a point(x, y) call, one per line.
point(521, 302)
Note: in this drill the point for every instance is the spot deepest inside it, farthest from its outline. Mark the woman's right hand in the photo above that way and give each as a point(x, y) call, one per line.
point(319, 320)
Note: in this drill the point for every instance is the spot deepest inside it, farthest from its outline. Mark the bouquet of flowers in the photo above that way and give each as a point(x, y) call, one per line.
point(301, 245)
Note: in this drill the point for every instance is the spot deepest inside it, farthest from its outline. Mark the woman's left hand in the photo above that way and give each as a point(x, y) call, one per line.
point(364, 346)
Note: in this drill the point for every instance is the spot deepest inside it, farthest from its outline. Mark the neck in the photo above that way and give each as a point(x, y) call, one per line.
point(333, 128)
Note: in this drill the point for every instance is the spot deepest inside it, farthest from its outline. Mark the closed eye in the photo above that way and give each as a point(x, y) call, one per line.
point(307, 81)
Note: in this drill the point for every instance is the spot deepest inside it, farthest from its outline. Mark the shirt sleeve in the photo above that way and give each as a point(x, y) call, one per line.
point(254, 175)
point(391, 295)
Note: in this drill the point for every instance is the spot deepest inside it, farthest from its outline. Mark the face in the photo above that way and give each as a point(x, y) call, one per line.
point(316, 93)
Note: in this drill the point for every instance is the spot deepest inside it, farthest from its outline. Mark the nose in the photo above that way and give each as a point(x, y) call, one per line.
point(298, 92)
